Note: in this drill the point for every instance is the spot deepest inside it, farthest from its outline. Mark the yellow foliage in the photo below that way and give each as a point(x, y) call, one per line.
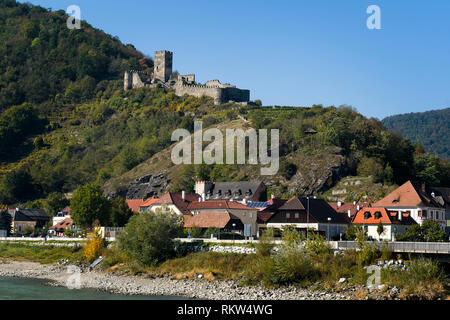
point(93, 248)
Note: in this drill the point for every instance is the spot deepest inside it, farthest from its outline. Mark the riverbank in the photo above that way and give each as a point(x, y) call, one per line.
point(162, 286)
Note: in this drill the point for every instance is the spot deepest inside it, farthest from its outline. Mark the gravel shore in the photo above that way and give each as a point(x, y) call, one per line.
point(137, 285)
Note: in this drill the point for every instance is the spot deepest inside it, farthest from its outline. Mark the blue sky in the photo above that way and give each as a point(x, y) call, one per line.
point(296, 52)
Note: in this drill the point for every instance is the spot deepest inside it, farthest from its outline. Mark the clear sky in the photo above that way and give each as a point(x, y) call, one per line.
point(296, 52)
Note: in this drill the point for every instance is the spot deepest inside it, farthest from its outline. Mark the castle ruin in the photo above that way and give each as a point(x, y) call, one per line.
point(183, 84)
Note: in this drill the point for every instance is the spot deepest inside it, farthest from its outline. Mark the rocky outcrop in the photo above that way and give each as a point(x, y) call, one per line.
point(148, 186)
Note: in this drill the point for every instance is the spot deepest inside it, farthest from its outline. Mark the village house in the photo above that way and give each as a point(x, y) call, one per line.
point(26, 220)
point(175, 202)
point(61, 215)
point(241, 191)
point(246, 214)
point(135, 204)
point(393, 222)
point(60, 227)
point(322, 218)
point(223, 220)
point(265, 211)
point(421, 202)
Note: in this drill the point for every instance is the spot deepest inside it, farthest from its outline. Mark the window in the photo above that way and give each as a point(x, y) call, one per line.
point(366, 215)
point(297, 216)
point(288, 215)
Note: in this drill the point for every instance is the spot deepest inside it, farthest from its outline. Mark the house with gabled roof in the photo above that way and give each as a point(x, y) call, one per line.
point(246, 214)
point(393, 222)
point(176, 202)
point(304, 213)
point(417, 199)
point(59, 228)
point(24, 220)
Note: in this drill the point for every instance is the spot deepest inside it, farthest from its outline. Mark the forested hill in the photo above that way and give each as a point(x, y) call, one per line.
point(431, 129)
point(42, 60)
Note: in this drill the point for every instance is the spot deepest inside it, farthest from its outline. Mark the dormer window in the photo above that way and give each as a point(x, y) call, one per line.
point(228, 193)
point(377, 215)
point(366, 215)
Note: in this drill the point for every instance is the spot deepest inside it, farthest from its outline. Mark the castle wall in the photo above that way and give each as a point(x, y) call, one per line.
point(198, 91)
point(235, 94)
point(136, 81)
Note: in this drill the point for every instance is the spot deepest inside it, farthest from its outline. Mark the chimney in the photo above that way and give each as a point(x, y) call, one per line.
point(349, 213)
point(183, 195)
point(424, 187)
point(354, 202)
point(357, 207)
point(339, 204)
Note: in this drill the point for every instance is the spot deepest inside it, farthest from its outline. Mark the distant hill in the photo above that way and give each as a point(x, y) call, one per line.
point(431, 129)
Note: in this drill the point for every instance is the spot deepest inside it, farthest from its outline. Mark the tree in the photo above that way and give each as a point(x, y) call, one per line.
point(148, 238)
point(6, 222)
point(380, 230)
point(120, 212)
point(88, 204)
point(429, 231)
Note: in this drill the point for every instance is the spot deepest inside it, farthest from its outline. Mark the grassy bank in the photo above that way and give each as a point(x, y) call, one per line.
point(37, 253)
point(313, 266)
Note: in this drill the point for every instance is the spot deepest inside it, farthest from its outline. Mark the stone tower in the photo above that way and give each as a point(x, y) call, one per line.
point(163, 65)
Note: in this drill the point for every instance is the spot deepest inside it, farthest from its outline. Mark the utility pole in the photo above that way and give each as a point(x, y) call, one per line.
point(307, 219)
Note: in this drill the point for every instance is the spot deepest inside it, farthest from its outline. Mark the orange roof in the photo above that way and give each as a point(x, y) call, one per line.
point(135, 204)
point(149, 202)
point(410, 194)
point(209, 219)
point(64, 224)
point(376, 215)
point(218, 204)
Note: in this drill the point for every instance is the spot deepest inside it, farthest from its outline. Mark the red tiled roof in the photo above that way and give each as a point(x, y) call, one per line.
point(149, 202)
point(410, 194)
point(263, 217)
point(63, 225)
point(210, 219)
point(135, 204)
point(218, 204)
point(177, 200)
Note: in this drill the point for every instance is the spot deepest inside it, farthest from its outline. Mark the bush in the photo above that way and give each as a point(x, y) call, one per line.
point(148, 238)
point(93, 248)
point(317, 245)
point(265, 245)
point(290, 265)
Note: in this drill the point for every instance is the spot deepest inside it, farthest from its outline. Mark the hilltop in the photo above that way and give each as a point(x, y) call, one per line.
point(430, 129)
point(67, 121)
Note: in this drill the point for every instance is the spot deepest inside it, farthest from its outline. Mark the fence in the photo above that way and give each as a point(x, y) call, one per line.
point(413, 247)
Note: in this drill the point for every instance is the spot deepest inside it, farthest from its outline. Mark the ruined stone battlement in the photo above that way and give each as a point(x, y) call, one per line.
point(183, 84)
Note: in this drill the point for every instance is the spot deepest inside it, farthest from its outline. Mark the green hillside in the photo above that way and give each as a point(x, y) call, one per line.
point(431, 129)
point(78, 126)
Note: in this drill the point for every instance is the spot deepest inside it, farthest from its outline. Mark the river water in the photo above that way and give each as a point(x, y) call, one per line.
point(35, 289)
